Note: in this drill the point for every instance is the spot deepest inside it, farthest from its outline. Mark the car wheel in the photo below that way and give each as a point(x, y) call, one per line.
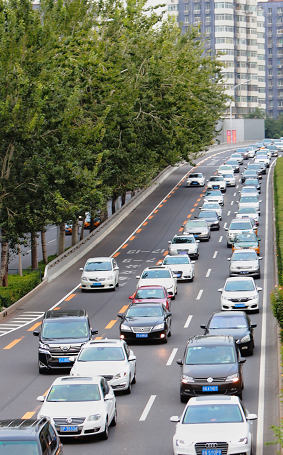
point(114, 420)
point(240, 395)
point(173, 297)
point(128, 391)
point(183, 399)
point(117, 284)
point(258, 276)
point(105, 433)
point(134, 380)
point(192, 279)
point(114, 288)
point(83, 290)
point(228, 245)
point(165, 339)
point(41, 370)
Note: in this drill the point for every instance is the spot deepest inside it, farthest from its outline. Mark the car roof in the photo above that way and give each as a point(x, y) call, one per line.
point(56, 314)
point(67, 380)
point(151, 286)
point(215, 340)
point(241, 278)
point(226, 314)
point(102, 258)
point(217, 399)
point(21, 429)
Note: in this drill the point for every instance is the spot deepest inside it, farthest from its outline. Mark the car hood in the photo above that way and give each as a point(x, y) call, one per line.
point(218, 432)
point(195, 230)
point(71, 409)
point(237, 334)
point(244, 264)
point(98, 368)
point(99, 274)
point(245, 245)
point(166, 282)
point(239, 294)
point(144, 321)
point(210, 370)
point(183, 247)
point(177, 267)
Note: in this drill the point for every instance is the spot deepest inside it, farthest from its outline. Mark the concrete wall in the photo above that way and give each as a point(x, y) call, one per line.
point(246, 129)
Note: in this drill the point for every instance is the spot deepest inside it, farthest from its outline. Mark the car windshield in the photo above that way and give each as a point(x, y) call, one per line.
point(213, 413)
point(149, 274)
point(210, 355)
point(251, 172)
point(73, 393)
point(230, 322)
point(216, 179)
point(241, 150)
point(239, 285)
point(207, 214)
point(101, 354)
point(232, 162)
point(245, 238)
point(253, 166)
point(246, 189)
point(195, 176)
point(228, 176)
point(182, 259)
point(150, 294)
point(211, 205)
point(194, 224)
point(213, 193)
point(64, 329)
point(19, 447)
point(245, 199)
point(247, 210)
point(247, 256)
point(143, 311)
point(183, 240)
point(240, 225)
point(98, 266)
point(251, 182)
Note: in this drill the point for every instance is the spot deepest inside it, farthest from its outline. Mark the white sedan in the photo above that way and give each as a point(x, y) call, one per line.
point(196, 179)
point(213, 425)
point(80, 406)
point(159, 275)
point(100, 273)
point(230, 179)
point(216, 182)
point(214, 206)
point(111, 359)
point(184, 244)
point(240, 293)
point(181, 265)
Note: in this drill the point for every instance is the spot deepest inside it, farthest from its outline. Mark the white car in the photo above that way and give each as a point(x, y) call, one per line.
point(224, 168)
point(230, 179)
point(238, 157)
point(238, 226)
point(196, 179)
point(80, 406)
point(214, 196)
point(213, 425)
point(216, 182)
point(251, 151)
point(240, 293)
point(248, 212)
point(181, 265)
point(244, 262)
point(184, 244)
point(159, 275)
point(250, 201)
point(100, 273)
point(262, 159)
point(111, 359)
point(213, 206)
point(248, 191)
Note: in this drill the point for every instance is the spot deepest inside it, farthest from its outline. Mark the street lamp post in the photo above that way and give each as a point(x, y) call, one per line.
point(233, 88)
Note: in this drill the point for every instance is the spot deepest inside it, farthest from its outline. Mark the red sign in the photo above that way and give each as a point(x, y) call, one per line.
point(234, 136)
point(228, 135)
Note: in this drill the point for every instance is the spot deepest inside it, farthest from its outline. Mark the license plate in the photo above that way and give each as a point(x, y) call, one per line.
point(244, 272)
point(210, 388)
point(141, 335)
point(195, 183)
point(64, 360)
point(69, 429)
point(215, 187)
point(211, 452)
point(178, 275)
point(96, 284)
point(183, 252)
point(240, 305)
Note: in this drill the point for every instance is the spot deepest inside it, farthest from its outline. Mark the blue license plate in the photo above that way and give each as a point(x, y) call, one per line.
point(194, 183)
point(210, 388)
point(240, 305)
point(96, 284)
point(177, 275)
point(215, 187)
point(69, 429)
point(141, 335)
point(244, 272)
point(211, 452)
point(183, 252)
point(64, 360)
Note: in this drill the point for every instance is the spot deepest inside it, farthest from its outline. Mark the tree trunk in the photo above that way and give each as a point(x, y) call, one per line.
point(61, 246)
point(91, 226)
point(34, 260)
point(4, 263)
point(113, 205)
point(133, 193)
point(20, 261)
point(124, 198)
point(43, 246)
point(75, 232)
point(82, 229)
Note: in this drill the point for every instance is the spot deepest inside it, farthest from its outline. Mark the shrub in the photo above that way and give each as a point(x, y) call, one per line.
point(18, 286)
point(276, 303)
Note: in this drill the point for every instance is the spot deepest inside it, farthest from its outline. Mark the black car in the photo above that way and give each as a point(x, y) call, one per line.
point(145, 321)
point(29, 437)
point(63, 332)
point(211, 217)
point(234, 323)
point(250, 174)
point(211, 364)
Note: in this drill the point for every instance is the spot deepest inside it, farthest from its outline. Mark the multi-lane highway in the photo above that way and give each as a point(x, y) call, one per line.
point(139, 241)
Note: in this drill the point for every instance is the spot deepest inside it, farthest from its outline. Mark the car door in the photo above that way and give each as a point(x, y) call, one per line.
point(109, 403)
point(116, 270)
point(131, 361)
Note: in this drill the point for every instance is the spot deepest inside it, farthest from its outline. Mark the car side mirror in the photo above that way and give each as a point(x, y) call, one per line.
point(93, 332)
point(41, 398)
point(251, 417)
point(138, 276)
point(242, 360)
point(168, 314)
point(260, 258)
point(203, 326)
point(108, 397)
point(169, 241)
point(179, 362)
point(131, 297)
point(259, 289)
point(81, 269)
point(35, 333)
point(193, 262)
point(226, 229)
point(220, 289)
point(120, 315)
point(228, 259)
point(197, 241)
point(176, 419)
point(253, 326)
point(132, 358)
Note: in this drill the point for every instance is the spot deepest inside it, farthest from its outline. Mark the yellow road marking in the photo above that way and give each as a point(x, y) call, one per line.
point(98, 338)
point(46, 393)
point(70, 297)
point(28, 415)
point(189, 216)
point(161, 205)
point(115, 255)
point(165, 253)
point(195, 205)
point(144, 224)
point(111, 323)
point(192, 210)
point(139, 230)
point(151, 216)
point(125, 246)
point(159, 262)
point(132, 238)
point(155, 211)
point(123, 309)
point(57, 308)
point(9, 346)
point(34, 327)
point(165, 200)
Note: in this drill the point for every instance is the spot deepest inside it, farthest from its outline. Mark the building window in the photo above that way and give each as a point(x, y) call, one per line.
point(261, 68)
point(261, 78)
point(207, 19)
point(269, 10)
point(207, 30)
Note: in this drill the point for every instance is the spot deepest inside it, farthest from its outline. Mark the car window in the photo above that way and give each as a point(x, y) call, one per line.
point(51, 438)
point(239, 225)
point(250, 256)
point(245, 238)
point(21, 448)
point(193, 224)
point(101, 353)
point(183, 240)
point(73, 393)
point(239, 285)
point(65, 329)
point(191, 176)
point(247, 210)
point(231, 322)
point(182, 259)
point(98, 266)
point(213, 413)
point(245, 199)
point(44, 441)
point(150, 294)
point(144, 311)
point(209, 355)
point(149, 274)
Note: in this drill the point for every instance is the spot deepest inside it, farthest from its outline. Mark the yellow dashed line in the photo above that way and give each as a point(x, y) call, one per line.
point(159, 262)
point(181, 229)
point(34, 327)
point(161, 205)
point(98, 338)
point(165, 200)
point(57, 308)
point(165, 253)
point(123, 309)
point(28, 415)
point(111, 323)
point(46, 393)
point(139, 230)
point(70, 297)
point(144, 224)
point(192, 210)
point(198, 200)
point(151, 216)
point(195, 205)
point(124, 246)
point(155, 211)
point(132, 238)
point(115, 255)
point(189, 216)
point(9, 346)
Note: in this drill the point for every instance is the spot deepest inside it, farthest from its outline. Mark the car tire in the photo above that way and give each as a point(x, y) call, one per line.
point(165, 340)
point(128, 391)
point(134, 380)
point(117, 284)
point(192, 279)
point(240, 395)
point(228, 245)
point(114, 288)
point(83, 290)
point(114, 420)
point(105, 433)
point(41, 370)
point(173, 297)
point(183, 399)
point(258, 276)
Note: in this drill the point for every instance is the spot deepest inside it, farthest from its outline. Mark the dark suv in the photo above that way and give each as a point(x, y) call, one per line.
point(29, 437)
point(63, 332)
point(212, 364)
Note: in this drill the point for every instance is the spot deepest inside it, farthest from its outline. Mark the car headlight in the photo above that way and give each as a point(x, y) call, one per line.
point(123, 374)
point(43, 346)
point(84, 278)
point(94, 417)
point(110, 277)
point(126, 328)
point(233, 378)
point(225, 297)
point(169, 287)
point(159, 326)
point(241, 441)
point(186, 379)
point(245, 339)
point(181, 442)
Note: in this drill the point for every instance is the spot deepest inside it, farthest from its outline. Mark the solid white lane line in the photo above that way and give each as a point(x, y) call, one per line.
point(260, 412)
point(208, 273)
point(147, 408)
point(188, 321)
point(215, 254)
point(235, 194)
point(199, 294)
point(225, 225)
point(172, 355)
point(52, 241)
point(220, 238)
point(228, 214)
point(232, 202)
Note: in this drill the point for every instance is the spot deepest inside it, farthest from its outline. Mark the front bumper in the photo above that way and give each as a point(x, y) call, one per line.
point(202, 388)
point(102, 284)
point(143, 336)
point(53, 362)
point(197, 448)
point(253, 272)
point(238, 304)
point(80, 426)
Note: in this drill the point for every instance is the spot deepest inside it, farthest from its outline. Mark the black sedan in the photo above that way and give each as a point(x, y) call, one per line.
point(211, 364)
point(250, 174)
point(211, 217)
point(234, 323)
point(145, 321)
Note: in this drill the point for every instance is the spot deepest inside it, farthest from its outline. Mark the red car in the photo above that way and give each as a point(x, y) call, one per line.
point(156, 294)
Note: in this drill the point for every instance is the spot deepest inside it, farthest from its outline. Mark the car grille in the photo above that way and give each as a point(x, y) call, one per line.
point(200, 446)
point(202, 380)
point(97, 279)
point(183, 250)
point(63, 421)
point(141, 329)
point(58, 352)
point(246, 268)
point(243, 299)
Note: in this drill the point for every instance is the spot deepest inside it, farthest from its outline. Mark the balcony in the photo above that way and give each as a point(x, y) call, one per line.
point(279, 45)
point(279, 13)
point(279, 55)
point(280, 97)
